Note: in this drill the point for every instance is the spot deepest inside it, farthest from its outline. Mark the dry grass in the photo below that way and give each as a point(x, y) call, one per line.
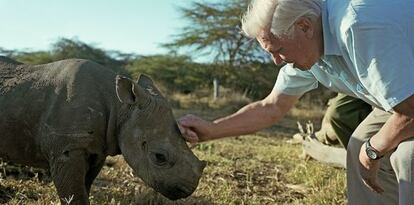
point(203, 101)
point(254, 169)
point(250, 169)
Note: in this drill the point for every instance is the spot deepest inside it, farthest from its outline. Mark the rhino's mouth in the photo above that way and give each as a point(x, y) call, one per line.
point(177, 192)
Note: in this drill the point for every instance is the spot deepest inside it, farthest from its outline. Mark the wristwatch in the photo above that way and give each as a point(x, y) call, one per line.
point(372, 153)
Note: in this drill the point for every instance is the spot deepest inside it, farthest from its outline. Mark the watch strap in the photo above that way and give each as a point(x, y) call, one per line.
point(369, 146)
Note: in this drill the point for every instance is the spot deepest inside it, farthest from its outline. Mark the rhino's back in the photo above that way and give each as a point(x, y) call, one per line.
point(62, 75)
point(64, 82)
point(60, 97)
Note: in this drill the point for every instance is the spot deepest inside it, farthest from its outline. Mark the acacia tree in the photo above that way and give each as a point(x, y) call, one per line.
point(215, 29)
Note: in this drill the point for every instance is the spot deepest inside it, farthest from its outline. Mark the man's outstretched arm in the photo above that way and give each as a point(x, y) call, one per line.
point(251, 118)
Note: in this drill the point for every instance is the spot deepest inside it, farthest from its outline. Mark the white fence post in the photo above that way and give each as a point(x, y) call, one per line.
point(216, 89)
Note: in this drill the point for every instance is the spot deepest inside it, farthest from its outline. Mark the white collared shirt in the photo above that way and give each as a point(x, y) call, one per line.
point(369, 53)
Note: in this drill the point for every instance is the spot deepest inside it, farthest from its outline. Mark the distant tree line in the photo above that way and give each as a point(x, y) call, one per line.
point(214, 29)
point(176, 73)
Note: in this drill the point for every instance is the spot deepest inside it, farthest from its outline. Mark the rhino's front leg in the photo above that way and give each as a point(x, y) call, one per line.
point(68, 173)
point(94, 169)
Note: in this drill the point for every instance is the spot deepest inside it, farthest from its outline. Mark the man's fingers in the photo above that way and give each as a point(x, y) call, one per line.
point(195, 129)
point(188, 134)
point(192, 137)
point(188, 120)
point(369, 172)
point(373, 185)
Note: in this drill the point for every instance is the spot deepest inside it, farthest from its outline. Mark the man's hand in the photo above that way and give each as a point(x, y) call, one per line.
point(369, 171)
point(195, 129)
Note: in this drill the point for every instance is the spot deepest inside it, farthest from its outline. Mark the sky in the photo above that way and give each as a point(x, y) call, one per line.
point(129, 26)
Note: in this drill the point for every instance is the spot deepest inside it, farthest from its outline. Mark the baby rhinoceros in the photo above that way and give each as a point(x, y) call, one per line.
point(67, 116)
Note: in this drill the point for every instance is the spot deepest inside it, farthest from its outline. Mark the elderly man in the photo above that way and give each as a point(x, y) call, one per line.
point(362, 48)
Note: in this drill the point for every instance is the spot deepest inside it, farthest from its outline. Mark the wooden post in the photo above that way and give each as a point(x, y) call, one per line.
point(216, 89)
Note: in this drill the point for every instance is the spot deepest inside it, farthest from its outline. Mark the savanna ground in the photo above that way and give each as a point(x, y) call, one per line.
point(262, 168)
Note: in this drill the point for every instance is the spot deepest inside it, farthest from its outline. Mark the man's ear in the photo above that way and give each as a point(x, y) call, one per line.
point(124, 90)
point(305, 25)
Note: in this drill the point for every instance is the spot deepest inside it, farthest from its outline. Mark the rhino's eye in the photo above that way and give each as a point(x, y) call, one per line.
point(159, 158)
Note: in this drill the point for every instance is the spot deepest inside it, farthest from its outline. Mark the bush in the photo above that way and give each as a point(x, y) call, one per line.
point(180, 74)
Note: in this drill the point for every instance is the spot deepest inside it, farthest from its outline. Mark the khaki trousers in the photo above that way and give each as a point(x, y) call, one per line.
point(396, 173)
point(342, 117)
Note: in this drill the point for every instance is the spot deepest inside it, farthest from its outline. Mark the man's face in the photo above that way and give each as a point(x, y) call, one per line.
point(301, 49)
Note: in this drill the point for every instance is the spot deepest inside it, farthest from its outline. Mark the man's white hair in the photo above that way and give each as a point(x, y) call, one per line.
point(279, 15)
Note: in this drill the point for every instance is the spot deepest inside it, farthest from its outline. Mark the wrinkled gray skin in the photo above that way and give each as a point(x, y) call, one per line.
point(67, 116)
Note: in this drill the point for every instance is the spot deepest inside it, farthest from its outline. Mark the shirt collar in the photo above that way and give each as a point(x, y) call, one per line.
point(330, 44)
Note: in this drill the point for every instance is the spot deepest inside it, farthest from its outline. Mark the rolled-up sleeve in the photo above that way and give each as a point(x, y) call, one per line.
point(292, 81)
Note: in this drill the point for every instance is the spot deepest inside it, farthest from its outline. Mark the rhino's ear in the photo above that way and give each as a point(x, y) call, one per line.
point(146, 82)
point(124, 89)
point(129, 92)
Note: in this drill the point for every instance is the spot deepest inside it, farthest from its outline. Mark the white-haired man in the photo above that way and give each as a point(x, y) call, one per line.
point(362, 48)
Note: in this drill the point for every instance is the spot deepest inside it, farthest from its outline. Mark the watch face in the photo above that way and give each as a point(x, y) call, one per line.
point(371, 154)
